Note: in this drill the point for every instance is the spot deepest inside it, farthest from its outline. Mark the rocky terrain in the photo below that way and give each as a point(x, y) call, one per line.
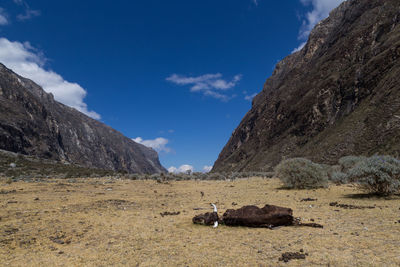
point(339, 95)
point(33, 123)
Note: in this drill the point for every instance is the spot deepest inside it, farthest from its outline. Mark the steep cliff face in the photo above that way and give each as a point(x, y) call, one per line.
point(339, 95)
point(33, 123)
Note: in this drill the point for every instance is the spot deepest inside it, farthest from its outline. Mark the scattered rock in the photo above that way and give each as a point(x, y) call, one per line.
point(167, 213)
point(57, 240)
point(346, 206)
point(287, 256)
point(12, 202)
point(10, 230)
point(308, 199)
point(5, 192)
point(202, 194)
point(13, 165)
point(36, 198)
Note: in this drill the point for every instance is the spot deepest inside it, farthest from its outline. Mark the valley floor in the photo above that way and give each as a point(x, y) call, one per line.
point(103, 222)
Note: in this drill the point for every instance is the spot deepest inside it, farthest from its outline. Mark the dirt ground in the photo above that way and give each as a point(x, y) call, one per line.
point(103, 222)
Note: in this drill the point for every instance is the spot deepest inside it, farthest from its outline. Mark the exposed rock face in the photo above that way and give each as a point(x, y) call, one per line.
point(339, 95)
point(33, 123)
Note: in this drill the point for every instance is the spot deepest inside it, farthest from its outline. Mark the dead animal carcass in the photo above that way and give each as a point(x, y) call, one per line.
point(253, 216)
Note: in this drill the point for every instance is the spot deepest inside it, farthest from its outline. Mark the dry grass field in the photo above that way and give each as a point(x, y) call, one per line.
point(103, 222)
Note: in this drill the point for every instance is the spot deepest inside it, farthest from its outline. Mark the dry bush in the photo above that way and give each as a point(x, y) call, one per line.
point(377, 174)
point(300, 173)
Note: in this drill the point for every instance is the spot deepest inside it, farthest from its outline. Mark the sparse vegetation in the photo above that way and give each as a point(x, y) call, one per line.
point(378, 174)
point(164, 177)
point(300, 173)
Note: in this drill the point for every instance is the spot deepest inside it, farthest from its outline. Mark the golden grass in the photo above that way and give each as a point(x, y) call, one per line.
point(103, 222)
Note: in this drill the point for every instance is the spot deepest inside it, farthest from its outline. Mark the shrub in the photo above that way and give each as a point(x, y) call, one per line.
point(301, 173)
point(348, 162)
point(378, 174)
point(339, 177)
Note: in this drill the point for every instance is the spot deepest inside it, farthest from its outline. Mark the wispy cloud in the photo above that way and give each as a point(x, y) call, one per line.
point(182, 169)
point(29, 14)
point(28, 62)
point(207, 168)
point(3, 17)
point(250, 97)
point(255, 2)
point(159, 144)
point(209, 84)
point(320, 10)
point(299, 47)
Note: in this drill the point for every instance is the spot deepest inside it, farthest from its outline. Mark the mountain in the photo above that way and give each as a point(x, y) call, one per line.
point(339, 95)
point(33, 123)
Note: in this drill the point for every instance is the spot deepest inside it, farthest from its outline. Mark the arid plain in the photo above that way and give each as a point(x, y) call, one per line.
point(103, 222)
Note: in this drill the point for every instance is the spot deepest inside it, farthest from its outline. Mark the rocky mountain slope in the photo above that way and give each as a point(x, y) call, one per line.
point(33, 123)
point(339, 95)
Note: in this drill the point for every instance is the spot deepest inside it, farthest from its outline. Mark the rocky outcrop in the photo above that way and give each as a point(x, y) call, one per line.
point(33, 123)
point(339, 95)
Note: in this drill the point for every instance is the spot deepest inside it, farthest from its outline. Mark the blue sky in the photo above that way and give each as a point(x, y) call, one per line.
point(176, 75)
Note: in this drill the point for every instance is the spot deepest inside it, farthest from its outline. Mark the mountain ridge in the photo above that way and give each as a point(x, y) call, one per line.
point(33, 123)
point(336, 96)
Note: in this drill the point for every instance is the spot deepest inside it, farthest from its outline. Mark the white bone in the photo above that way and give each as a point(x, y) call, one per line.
point(215, 207)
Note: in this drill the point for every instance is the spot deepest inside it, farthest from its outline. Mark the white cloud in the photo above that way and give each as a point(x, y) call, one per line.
point(159, 144)
point(3, 17)
point(209, 84)
point(255, 2)
point(207, 168)
point(24, 60)
point(18, 2)
point(250, 97)
point(29, 13)
point(299, 47)
point(182, 169)
point(320, 11)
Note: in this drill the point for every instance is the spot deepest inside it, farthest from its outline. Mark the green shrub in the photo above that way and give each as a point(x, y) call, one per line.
point(301, 173)
point(378, 174)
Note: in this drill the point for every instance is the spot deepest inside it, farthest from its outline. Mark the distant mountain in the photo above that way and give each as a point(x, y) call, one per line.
point(339, 95)
point(33, 123)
